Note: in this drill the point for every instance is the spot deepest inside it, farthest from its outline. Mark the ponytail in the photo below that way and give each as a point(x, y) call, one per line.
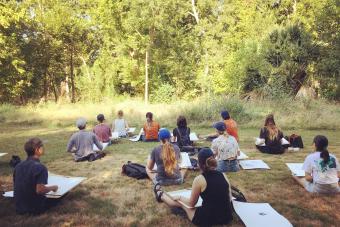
point(321, 144)
point(169, 158)
point(210, 164)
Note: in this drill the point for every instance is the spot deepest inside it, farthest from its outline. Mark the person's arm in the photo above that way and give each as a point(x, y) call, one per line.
point(126, 125)
point(70, 144)
point(113, 125)
point(263, 133)
point(96, 141)
point(42, 189)
point(237, 147)
point(195, 193)
point(151, 161)
point(41, 181)
point(214, 148)
point(308, 177)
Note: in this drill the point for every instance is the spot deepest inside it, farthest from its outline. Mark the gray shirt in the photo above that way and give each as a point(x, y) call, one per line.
point(156, 156)
point(81, 144)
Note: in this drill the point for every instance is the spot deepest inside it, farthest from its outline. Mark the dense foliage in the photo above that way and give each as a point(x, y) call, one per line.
point(92, 49)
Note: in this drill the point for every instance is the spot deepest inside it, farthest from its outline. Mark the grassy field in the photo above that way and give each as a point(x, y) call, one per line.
point(107, 198)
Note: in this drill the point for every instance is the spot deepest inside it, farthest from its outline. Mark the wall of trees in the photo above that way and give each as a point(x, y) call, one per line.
point(69, 50)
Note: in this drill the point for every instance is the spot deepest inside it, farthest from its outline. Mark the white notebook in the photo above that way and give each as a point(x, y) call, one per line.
point(137, 137)
point(259, 215)
point(242, 156)
point(2, 154)
point(95, 148)
point(185, 162)
point(296, 169)
point(184, 193)
point(253, 164)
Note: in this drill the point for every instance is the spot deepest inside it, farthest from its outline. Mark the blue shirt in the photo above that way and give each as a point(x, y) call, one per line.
point(27, 175)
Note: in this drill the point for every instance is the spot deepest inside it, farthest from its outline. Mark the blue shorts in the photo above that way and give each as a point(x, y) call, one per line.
point(169, 181)
point(228, 166)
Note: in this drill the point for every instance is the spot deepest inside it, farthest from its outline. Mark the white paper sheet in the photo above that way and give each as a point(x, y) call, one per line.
point(284, 142)
point(296, 169)
point(259, 215)
point(242, 156)
point(95, 148)
point(184, 193)
point(185, 162)
point(260, 142)
point(2, 154)
point(115, 136)
point(137, 137)
point(131, 130)
point(253, 164)
point(64, 183)
point(9, 194)
point(193, 137)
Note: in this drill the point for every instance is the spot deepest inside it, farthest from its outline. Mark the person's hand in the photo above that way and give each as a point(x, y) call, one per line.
point(54, 188)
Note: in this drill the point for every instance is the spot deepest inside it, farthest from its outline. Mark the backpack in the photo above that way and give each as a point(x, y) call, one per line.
point(237, 194)
point(183, 140)
point(14, 161)
point(296, 141)
point(134, 170)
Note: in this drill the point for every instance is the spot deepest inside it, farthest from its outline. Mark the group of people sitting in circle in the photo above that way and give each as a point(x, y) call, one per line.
point(322, 170)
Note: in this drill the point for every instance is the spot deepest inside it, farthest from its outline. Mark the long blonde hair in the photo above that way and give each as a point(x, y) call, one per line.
point(273, 129)
point(169, 158)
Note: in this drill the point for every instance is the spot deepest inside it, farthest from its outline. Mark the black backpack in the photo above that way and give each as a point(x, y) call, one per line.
point(183, 140)
point(14, 161)
point(296, 141)
point(134, 170)
point(237, 194)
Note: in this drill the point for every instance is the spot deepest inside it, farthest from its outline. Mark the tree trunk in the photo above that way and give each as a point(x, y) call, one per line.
point(55, 92)
point(194, 11)
point(45, 87)
point(146, 89)
point(72, 76)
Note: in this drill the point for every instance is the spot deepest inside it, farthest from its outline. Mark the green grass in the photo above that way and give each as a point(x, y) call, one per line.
point(107, 198)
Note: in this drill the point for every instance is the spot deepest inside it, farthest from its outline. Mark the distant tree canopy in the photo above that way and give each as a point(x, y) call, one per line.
point(91, 49)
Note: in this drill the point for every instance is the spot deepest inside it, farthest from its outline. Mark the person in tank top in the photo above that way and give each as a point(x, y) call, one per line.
point(214, 189)
point(120, 125)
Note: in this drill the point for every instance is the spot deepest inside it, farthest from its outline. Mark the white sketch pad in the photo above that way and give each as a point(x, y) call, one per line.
point(184, 193)
point(95, 148)
point(253, 164)
point(115, 136)
point(131, 130)
point(193, 137)
point(2, 154)
point(185, 162)
point(64, 183)
point(137, 137)
point(259, 215)
point(284, 142)
point(242, 156)
point(296, 169)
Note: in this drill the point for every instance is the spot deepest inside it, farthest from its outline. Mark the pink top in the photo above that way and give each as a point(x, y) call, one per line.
point(103, 132)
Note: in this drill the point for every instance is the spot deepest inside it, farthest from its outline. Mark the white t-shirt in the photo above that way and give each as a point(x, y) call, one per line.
point(119, 126)
point(322, 174)
point(225, 147)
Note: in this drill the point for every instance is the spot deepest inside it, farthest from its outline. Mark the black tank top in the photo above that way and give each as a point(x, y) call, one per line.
point(216, 207)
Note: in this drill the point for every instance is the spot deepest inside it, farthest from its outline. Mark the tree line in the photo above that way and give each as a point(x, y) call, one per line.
point(92, 49)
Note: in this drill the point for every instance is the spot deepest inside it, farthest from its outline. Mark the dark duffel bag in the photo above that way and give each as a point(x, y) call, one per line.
point(134, 170)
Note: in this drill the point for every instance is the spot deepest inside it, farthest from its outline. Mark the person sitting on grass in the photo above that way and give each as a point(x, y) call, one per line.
point(30, 181)
point(167, 158)
point(272, 136)
point(322, 170)
point(181, 135)
point(81, 144)
point(102, 130)
point(226, 149)
point(150, 128)
point(230, 124)
point(231, 127)
point(120, 125)
point(214, 189)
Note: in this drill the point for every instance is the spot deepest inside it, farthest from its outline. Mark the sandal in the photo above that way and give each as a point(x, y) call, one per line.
point(157, 189)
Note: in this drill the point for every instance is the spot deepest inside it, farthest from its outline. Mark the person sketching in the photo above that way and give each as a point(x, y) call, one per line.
point(150, 128)
point(120, 125)
point(30, 179)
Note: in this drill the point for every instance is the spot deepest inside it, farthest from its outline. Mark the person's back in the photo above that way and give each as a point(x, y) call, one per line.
point(156, 156)
point(323, 173)
point(231, 126)
point(151, 130)
point(183, 136)
point(103, 132)
point(271, 141)
point(119, 126)
point(27, 175)
point(82, 142)
point(216, 205)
